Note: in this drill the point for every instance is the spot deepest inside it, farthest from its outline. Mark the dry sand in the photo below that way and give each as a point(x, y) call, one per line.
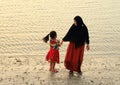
point(32, 70)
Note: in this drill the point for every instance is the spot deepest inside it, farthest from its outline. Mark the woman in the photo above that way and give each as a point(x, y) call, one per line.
point(77, 36)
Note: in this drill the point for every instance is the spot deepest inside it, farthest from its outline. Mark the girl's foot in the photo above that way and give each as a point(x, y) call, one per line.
point(57, 69)
point(54, 71)
point(50, 69)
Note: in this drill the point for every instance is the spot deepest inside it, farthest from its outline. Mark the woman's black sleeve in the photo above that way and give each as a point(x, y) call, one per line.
point(67, 37)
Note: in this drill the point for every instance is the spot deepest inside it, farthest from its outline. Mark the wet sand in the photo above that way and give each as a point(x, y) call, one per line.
point(33, 70)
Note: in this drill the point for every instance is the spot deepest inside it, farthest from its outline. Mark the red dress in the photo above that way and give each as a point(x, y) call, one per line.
point(74, 57)
point(53, 54)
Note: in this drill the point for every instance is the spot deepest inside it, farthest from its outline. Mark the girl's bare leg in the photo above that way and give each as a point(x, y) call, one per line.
point(53, 68)
point(50, 66)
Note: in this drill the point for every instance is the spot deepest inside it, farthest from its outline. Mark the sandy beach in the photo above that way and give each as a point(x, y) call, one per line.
point(23, 24)
point(32, 70)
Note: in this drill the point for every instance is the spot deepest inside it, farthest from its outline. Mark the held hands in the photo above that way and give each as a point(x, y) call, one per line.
point(60, 43)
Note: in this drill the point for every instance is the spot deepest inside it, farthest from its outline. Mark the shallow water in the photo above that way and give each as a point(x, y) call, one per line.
point(23, 23)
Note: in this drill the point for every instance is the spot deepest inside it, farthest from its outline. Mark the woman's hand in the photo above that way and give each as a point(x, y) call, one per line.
point(88, 47)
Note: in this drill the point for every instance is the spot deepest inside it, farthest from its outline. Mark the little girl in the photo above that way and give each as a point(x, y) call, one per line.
point(53, 54)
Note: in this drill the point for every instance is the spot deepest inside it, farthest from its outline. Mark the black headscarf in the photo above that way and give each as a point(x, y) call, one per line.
point(77, 34)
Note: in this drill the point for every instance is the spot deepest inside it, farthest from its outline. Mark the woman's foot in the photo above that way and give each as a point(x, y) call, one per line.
point(80, 72)
point(70, 72)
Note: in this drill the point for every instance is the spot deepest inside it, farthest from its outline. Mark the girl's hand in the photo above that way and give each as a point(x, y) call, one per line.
point(88, 47)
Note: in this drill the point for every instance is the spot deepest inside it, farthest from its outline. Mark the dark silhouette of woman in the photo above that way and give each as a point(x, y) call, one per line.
point(78, 36)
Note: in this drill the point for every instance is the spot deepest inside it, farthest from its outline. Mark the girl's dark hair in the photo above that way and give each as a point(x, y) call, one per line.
point(79, 20)
point(52, 35)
